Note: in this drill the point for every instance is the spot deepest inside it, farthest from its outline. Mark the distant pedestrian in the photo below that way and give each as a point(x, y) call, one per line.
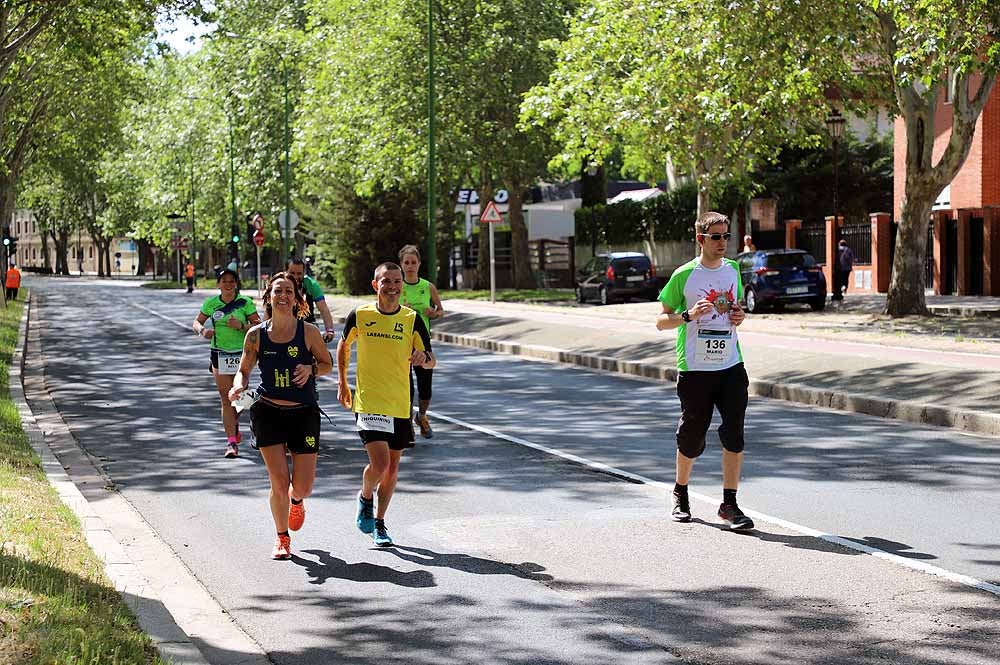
point(12, 282)
point(701, 300)
point(748, 245)
point(189, 276)
point(422, 297)
point(843, 267)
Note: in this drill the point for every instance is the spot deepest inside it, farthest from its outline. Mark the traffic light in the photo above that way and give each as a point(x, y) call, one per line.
point(236, 238)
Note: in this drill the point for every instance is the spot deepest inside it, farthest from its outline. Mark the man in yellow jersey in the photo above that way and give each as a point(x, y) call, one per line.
point(390, 340)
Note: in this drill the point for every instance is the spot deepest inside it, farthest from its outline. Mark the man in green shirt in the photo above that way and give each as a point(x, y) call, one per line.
point(296, 268)
point(701, 301)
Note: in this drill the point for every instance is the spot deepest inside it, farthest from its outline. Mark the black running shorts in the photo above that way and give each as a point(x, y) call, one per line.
point(400, 438)
point(295, 426)
point(700, 394)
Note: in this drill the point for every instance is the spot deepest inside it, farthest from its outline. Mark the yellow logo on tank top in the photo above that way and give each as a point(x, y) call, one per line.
point(282, 380)
point(311, 441)
point(293, 351)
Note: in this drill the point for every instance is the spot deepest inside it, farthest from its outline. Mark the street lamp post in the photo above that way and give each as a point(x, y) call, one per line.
point(835, 125)
point(287, 137)
point(431, 175)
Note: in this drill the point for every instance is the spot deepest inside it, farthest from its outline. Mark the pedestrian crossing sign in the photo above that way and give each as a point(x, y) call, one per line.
point(491, 215)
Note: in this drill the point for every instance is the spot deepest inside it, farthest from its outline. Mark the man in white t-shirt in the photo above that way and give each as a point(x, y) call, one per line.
point(701, 300)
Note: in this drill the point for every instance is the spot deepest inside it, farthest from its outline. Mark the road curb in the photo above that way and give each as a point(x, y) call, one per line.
point(155, 605)
point(978, 422)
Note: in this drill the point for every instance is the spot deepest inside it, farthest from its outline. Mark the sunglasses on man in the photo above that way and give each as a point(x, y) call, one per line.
point(716, 236)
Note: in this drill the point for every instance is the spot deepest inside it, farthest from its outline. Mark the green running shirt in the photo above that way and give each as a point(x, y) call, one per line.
point(709, 343)
point(418, 298)
point(240, 308)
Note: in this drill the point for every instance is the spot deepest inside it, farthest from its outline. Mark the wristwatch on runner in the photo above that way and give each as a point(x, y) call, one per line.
point(686, 316)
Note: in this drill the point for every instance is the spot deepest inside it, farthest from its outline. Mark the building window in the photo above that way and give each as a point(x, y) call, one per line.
point(91, 251)
point(34, 253)
point(949, 86)
point(74, 251)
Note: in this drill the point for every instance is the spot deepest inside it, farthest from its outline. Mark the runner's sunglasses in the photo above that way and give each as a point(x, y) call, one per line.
point(716, 236)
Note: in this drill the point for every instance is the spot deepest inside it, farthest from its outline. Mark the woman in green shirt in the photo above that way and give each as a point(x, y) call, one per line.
point(421, 296)
point(231, 315)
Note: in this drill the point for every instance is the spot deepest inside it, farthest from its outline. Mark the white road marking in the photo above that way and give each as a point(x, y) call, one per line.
point(162, 316)
point(912, 564)
point(791, 526)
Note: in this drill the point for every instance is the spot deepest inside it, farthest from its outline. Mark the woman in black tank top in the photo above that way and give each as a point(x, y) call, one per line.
point(290, 354)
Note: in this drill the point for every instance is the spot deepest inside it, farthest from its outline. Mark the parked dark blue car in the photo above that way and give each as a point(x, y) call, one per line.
point(775, 277)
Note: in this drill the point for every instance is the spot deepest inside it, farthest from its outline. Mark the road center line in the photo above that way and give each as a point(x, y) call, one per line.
point(912, 564)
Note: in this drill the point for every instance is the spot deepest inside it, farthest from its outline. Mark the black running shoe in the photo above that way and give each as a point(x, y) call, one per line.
point(734, 518)
point(681, 511)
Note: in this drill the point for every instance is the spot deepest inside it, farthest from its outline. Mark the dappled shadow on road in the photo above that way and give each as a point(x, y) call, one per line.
point(468, 564)
point(604, 623)
point(892, 547)
point(326, 566)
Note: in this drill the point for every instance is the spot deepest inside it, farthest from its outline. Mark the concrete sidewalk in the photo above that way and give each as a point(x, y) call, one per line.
point(929, 379)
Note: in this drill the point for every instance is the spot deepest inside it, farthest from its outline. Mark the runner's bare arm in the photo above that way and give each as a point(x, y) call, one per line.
point(247, 362)
point(322, 362)
point(199, 327)
point(343, 359)
point(436, 310)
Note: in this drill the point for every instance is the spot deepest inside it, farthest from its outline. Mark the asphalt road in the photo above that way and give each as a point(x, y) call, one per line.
point(510, 555)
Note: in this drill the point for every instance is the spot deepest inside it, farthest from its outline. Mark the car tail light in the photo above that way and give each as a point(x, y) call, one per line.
point(763, 270)
point(651, 273)
point(814, 269)
point(610, 273)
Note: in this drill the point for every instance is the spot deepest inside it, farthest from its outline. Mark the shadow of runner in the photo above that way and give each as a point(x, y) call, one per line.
point(466, 563)
point(328, 566)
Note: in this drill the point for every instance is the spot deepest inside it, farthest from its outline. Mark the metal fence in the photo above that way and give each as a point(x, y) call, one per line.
point(859, 239)
point(812, 238)
point(552, 262)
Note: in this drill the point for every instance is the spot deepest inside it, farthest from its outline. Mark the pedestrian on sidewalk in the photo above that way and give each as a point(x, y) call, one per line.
point(390, 339)
point(291, 354)
point(701, 300)
point(748, 245)
point(189, 271)
point(843, 266)
point(12, 281)
point(422, 297)
point(231, 316)
point(296, 268)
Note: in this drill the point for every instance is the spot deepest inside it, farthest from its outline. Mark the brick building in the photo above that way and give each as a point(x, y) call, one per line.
point(964, 255)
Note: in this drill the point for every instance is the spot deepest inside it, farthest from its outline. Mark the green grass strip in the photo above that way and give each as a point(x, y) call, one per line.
point(56, 605)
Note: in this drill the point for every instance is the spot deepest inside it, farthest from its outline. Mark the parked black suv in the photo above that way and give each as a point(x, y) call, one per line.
point(780, 276)
point(617, 276)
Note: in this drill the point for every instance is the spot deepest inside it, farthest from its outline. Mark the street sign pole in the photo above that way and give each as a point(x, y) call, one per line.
point(260, 286)
point(180, 278)
point(491, 216)
point(493, 269)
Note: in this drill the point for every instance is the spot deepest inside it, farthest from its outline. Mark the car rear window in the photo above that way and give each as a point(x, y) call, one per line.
point(640, 263)
point(790, 261)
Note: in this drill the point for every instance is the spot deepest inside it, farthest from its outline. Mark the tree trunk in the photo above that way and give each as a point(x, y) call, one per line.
point(142, 255)
point(46, 263)
point(906, 289)
point(524, 278)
